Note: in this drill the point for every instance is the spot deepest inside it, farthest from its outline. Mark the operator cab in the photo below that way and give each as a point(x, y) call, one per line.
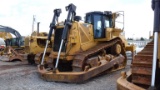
point(100, 21)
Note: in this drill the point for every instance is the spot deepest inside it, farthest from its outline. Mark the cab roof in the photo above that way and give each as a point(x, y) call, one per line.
point(99, 12)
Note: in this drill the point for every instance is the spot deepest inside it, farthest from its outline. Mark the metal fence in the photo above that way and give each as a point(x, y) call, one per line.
point(138, 43)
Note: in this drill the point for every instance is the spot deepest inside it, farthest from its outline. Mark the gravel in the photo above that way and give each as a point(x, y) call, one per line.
point(25, 77)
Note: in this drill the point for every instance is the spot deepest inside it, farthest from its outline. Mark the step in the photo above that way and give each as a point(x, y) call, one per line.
point(142, 59)
point(141, 79)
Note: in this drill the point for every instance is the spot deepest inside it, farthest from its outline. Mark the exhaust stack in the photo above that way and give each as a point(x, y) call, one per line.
point(38, 28)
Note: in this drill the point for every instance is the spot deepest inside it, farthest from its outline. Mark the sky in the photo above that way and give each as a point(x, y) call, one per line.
point(18, 14)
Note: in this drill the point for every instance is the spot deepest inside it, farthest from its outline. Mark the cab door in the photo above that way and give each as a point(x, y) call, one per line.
point(99, 31)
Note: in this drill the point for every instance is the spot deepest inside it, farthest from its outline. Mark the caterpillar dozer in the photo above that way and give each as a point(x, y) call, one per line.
point(24, 48)
point(145, 68)
point(82, 50)
point(47, 42)
point(36, 45)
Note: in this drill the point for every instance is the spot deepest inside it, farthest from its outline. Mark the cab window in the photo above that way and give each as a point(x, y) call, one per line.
point(108, 22)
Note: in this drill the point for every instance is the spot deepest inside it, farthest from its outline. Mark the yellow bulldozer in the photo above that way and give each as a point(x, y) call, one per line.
point(36, 44)
point(145, 69)
point(82, 50)
point(24, 48)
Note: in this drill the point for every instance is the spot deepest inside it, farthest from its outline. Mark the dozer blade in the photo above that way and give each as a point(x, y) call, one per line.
point(12, 55)
point(139, 77)
point(77, 77)
point(8, 58)
point(124, 82)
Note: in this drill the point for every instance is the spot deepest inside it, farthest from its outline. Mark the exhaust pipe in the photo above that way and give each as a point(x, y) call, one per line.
point(38, 28)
